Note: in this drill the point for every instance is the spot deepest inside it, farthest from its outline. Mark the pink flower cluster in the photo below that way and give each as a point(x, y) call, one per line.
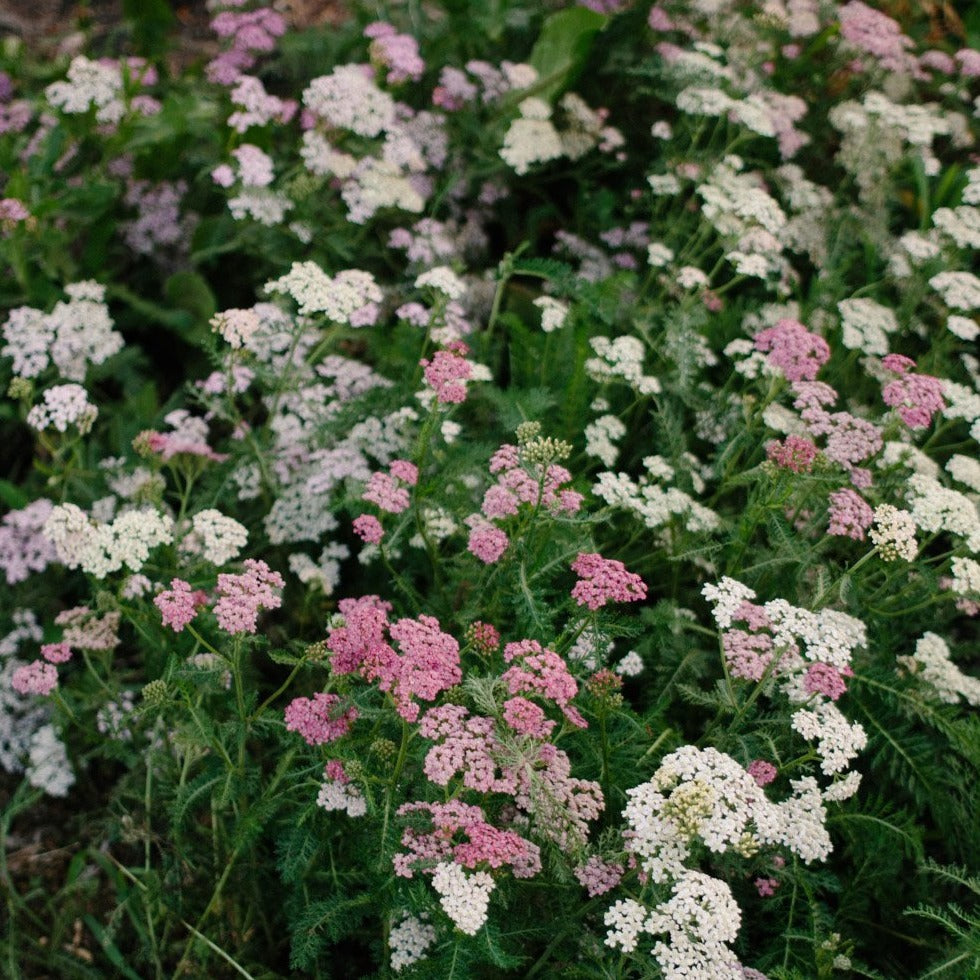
point(36, 677)
point(794, 453)
point(23, 548)
point(762, 772)
point(877, 34)
point(597, 876)
point(483, 844)
point(170, 444)
point(446, 374)
point(56, 653)
point(319, 719)
point(87, 630)
point(487, 542)
point(386, 491)
point(537, 670)
point(798, 353)
point(399, 53)
point(748, 655)
point(242, 596)
point(526, 718)
point(603, 580)
point(916, 397)
point(368, 528)
point(483, 636)
point(427, 665)
point(517, 485)
point(824, 679)
point(179, 604)
point(250, 32)
point(466, 746)
point(850, 515)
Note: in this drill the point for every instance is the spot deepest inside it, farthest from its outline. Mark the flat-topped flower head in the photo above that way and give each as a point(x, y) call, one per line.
point(603, 580)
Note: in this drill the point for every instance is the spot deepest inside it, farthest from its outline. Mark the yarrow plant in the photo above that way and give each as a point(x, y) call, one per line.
point(491, 492)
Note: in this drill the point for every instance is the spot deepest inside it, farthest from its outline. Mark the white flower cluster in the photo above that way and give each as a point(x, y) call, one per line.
point(21, 715)
point(532, 137)
point(48, 767)
point(625, 920)
point(409, 941)
point(701, 918)
point(338, 298)
point(553, 313)
point(959, 290)
point(72, 336)
point(443, 280)
point(217, 538)
point(621, 359)
point(62, 407)
point(966, 577)
point(348, 99)
point(893, 533)
point(377, 184)
point(966, 470)
point(100, 549)
point(652, 503)
point(630, 666)
point(237, 327)
point(325, 572)
point(962, 224)
point(89, 85)
point(932, 662)
point(866, 325)
point(464, 898)
point(736, 203)
point(937, 508)
point(335, 795)
point(601, 437)
point(838, 741)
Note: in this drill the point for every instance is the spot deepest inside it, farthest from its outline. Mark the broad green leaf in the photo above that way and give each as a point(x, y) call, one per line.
point(562, 47)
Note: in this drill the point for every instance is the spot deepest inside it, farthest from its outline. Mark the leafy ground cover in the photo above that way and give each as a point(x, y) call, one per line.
point(491, 490)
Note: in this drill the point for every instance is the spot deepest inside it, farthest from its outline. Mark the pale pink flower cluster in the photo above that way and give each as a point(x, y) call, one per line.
point(320, 719)
point(387, 490)
point(798, 353)
point(427, 665)
point(487, 542)
point(188, 437)
point(603, 580)
point(850, 515)
point(466, 747)
point(877, 34)
point(249, 33)
point(23, 548)
point(242, 596)
point(447, 373)
point(368, 528)
point(531, 484)
point(538, 670)
point(178, 605)
point(483, 844)
point(916, 397)
point(762, 772)
point(399, 53)
point(748, 655)
point(36, 677)
point(597, 876)
point(87, 630)
point(56, 653)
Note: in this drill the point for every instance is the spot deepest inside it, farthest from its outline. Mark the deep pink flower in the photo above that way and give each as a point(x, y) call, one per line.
point(795, 453)
point(526, 718)
point(766, 887)
point(762, 772)
point(447, 373)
